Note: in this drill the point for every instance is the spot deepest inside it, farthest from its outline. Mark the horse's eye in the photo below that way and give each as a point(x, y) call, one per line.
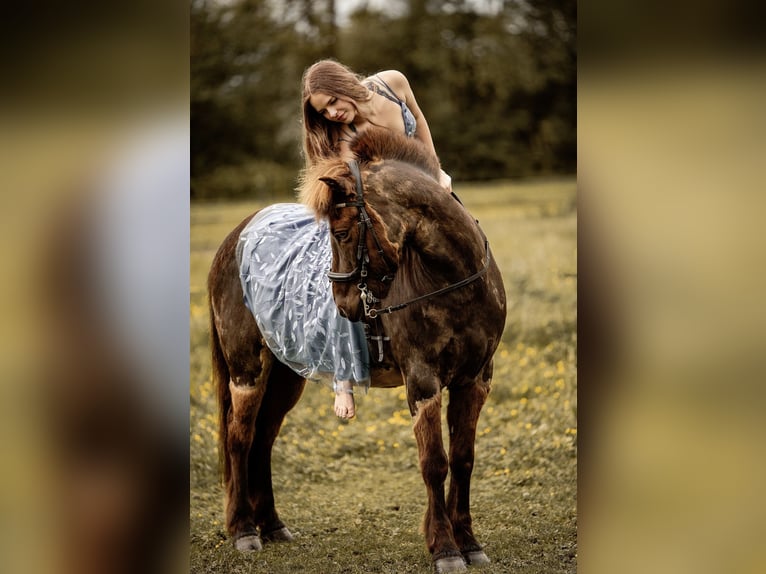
point(341, 234)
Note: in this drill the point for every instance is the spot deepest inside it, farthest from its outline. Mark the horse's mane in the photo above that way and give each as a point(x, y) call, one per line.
point(373, 145)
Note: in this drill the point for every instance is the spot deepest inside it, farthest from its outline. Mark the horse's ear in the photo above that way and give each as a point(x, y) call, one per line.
point(332, 183)
point(338, 192)
point(321, 185)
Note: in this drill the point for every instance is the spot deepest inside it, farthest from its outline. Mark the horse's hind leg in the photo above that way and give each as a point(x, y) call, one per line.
point(465, 404)
point(283, 390)
point(247, 394)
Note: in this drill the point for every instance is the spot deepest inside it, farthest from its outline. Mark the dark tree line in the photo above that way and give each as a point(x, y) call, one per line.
point(495, 78)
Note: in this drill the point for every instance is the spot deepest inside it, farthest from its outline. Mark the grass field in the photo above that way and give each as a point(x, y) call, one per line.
point(351, 492)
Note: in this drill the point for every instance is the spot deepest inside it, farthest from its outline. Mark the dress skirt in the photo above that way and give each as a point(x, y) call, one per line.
point(284, 255)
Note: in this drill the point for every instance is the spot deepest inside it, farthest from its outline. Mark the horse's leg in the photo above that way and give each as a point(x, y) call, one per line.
point(434, 467)
point(241, 366)
point(240, 391)
point(283, 390)
point(465, 403)
point(246, 398)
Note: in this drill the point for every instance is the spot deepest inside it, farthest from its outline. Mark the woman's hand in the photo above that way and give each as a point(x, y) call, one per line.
point(445, 180)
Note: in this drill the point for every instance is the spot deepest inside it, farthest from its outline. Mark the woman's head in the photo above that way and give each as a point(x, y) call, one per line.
point(326, 83)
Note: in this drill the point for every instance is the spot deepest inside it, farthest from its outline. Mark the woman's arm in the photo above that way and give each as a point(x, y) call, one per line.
point(401, 87)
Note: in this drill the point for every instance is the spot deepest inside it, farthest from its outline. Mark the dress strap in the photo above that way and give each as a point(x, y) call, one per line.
point(393, 93)
point(390, 95)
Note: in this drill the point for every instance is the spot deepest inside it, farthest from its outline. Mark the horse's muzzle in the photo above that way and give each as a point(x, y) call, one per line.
point(354, 315)
point(349, 307)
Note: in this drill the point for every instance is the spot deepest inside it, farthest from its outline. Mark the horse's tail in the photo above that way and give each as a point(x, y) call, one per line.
point(221, 378)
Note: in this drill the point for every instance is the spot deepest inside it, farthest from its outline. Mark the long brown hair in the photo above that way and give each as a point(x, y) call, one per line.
point(321, 136)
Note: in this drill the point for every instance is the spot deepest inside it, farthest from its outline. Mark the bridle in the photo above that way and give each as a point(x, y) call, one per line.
point(362, 254)
point(363, 258)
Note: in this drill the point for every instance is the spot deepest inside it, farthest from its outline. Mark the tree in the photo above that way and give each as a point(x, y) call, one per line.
point(497, 82)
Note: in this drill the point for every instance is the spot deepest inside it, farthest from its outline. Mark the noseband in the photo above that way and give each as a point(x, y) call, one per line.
point(363, 258)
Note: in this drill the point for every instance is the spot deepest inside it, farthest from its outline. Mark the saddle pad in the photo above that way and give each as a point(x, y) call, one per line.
point(284, 255)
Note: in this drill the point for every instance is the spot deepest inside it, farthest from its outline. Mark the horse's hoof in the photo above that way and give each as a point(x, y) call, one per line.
point(476, 558)
point(278, 535)
point(449, 564)
point(248, 543)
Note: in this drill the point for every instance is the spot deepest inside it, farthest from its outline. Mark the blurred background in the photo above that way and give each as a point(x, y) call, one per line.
point(94, 233)
point(495, 80)
point(671, 141)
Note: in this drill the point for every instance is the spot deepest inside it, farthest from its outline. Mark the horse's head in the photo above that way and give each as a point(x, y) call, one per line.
point(364, 258)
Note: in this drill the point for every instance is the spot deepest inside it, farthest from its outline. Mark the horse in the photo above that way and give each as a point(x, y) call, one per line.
point(412, 263)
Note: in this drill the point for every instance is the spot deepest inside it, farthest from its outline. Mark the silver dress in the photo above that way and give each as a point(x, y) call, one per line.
point(284, 255)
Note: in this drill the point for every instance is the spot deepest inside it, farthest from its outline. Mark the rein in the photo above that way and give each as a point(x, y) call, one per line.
point(390, 309)
point(363, 258)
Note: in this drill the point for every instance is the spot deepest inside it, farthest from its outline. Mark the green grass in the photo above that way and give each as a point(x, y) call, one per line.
point(351, 492)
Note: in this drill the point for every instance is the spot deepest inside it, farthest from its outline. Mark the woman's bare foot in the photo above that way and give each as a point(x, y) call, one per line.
point(344, 400)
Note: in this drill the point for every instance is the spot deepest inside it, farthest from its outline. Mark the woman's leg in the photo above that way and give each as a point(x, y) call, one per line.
point(344, 399)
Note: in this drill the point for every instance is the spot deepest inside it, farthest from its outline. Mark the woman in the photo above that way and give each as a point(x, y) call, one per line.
point(285, 253)
point(337, 104)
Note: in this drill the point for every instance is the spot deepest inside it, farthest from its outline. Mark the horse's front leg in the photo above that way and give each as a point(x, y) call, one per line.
point(426, 410)
point(465, 403)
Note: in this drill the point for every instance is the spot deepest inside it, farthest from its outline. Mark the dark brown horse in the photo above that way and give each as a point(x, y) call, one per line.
point(410, 261)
